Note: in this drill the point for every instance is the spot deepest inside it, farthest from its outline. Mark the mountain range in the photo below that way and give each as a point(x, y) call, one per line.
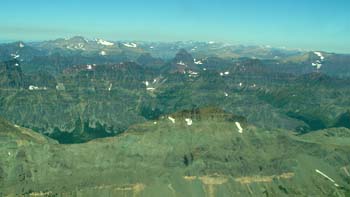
point(182, 119)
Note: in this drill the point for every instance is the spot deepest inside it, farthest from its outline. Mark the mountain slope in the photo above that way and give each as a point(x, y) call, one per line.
point(202, 153)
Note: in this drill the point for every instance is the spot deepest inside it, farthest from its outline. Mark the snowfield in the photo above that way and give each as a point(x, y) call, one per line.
point(104, 42)
point(130, 45)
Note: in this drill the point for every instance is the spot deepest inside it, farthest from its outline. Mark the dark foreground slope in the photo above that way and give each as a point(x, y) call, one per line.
point(173, 156)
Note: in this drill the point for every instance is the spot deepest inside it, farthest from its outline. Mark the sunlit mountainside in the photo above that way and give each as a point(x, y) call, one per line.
point(95, 117)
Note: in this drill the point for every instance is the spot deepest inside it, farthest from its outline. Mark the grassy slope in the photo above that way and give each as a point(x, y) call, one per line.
point(208, 158)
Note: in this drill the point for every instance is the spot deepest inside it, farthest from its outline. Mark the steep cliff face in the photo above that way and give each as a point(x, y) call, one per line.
point(344, 120)
point(86, 98)
point(11, 75)
point(90, 101)
point(206, 152)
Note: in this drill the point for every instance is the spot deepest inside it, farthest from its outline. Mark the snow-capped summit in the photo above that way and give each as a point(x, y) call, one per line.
point(21, 45)
point(104, 42)
point(318, 63)
point(319, 54)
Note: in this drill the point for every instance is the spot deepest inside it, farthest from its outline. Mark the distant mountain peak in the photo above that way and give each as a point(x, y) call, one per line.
point(183, 56)
point(77, 39)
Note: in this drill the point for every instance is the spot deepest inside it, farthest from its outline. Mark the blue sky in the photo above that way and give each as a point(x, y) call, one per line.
point(307, 24)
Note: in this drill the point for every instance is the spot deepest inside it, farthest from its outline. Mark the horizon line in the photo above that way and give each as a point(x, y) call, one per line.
point(9, 41)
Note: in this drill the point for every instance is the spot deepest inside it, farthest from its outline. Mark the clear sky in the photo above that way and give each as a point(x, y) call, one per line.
point(306, 24)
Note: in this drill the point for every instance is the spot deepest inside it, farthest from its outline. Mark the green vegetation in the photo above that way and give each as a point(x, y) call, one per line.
point(132, 121)
point(210, 157)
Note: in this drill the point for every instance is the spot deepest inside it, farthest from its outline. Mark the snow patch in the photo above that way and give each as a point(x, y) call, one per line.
point(224, 73)
point(192, 73)
point(60, 87)
point(181, 63)
point(238, 125)
point(327, 177)
point(197, 62)
point(130, 45)
point(110, 87)
point(21, 45)
point(171, 119)
point(319, 54)
point(31, 87)
point(79, 46)
point(89, 67)
point(150, 89)
point(226, 94)
point(103, 53)
point(104, 42)
point(189, 121)
point(318, 63)
point(146, 83)
point(15, 56)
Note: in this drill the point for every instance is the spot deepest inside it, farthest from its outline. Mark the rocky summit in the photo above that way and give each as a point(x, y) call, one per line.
point(94, 117)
